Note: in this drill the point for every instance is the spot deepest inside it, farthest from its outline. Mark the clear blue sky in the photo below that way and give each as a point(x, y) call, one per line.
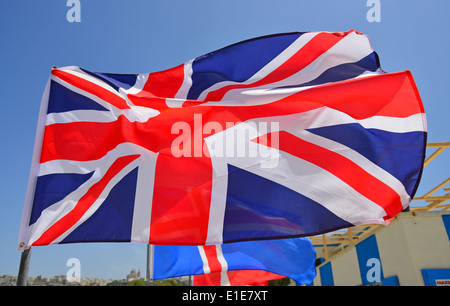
point(141, 36)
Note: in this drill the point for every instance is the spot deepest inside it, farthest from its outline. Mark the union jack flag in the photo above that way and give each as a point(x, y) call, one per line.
point(286, 135)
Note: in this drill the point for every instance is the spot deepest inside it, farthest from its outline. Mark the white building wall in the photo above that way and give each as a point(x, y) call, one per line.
point(395, 251)
point(317, 281)
point(345, 265)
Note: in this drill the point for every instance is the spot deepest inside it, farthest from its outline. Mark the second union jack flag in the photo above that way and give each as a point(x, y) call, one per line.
point(286, 135)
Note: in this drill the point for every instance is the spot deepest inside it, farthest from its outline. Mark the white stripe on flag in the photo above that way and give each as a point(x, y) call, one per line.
point(224, 281)
point(59, 210)
point(23, 242)
point(137, 87)
point(142, 210)
point(187, 83)
point(144, 197)
point(350, 49)
point(87, 94)
point(76, 71)
point(133, 114)
point(206, 269)
point(270, 67)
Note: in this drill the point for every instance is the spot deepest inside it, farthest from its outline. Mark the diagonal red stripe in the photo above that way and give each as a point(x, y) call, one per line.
point(92, 88)
point(305, 56)
point(345, 169)
point(86, 201)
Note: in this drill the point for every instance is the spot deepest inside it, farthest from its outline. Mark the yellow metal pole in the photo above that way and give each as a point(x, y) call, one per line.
point(325, 246)
point(350, 235)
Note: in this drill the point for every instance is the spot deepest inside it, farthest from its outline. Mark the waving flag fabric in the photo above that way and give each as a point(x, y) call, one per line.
point(293, 258)
point(236, 278)
point(280, 136)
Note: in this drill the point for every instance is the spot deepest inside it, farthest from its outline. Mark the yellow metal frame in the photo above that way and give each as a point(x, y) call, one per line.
point(332, 243)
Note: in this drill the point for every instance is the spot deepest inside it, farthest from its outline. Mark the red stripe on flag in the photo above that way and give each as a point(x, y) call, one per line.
point(82, 141)
point(305, 56)
point(165, 83)
point(343, 168)
point(237, 278)
point(213, 261)
point(181, 199)
point(92, 88)
point(159, 86)
point(390, 94)
point(85, 202)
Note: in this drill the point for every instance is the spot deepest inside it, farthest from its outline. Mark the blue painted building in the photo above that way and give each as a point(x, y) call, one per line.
point(414, 250)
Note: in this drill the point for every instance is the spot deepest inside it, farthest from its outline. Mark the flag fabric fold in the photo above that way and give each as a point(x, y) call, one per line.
point(236, 278)
point(281, 136)
point(224, 264)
